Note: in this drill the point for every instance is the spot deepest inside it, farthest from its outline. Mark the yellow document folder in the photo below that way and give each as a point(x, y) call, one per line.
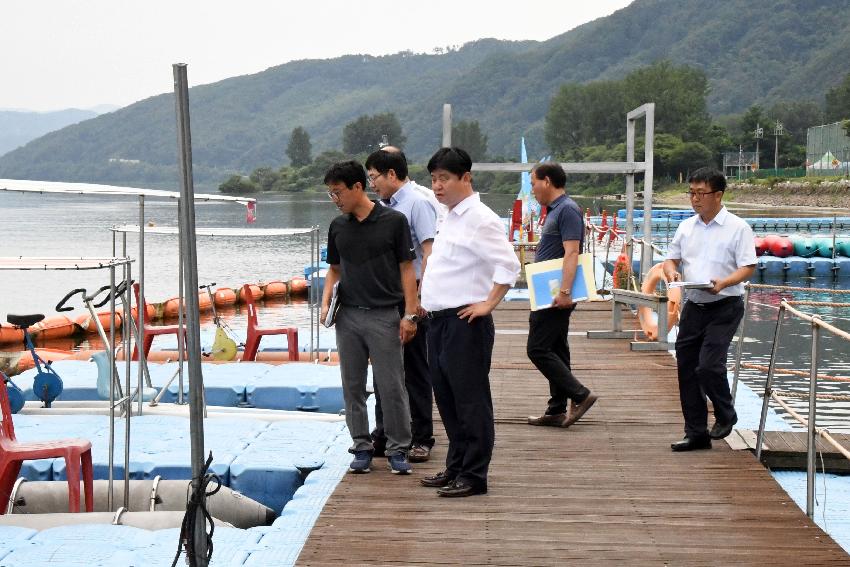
point(544, 281)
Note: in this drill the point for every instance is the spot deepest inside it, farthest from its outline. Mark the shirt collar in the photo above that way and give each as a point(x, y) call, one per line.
point(401, 194)
point(373, 214)
point(719, 218)
point(556, 203)
point(467, 204)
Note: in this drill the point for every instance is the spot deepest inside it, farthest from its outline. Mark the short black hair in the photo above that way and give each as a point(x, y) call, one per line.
point(347, 172)
point(710, 176)
point(382, 161)
point(454, 160)
point(553, 171)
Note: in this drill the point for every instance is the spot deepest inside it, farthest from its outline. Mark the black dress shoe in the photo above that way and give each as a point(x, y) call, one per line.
point(691, 444)
point(438, 480)
point(460, 488)
point(721, 430)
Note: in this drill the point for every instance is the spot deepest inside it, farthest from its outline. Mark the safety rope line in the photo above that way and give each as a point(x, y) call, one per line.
point(805, 396)
point(792, 288)
point(822, 431)
point(787, 371)
point(818, 303)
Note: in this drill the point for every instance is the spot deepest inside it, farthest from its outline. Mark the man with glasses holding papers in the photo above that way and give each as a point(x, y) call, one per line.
point(714, 251)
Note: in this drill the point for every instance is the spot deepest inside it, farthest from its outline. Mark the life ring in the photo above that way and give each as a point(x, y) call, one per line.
point(648, 323)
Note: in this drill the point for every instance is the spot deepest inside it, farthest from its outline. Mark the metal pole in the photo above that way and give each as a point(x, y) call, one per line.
point(740, 346)
point(768, 384)
point(811, 438)
point(649, 158)
point(630, 190)
point(111, 458)
point(180, 308)
point(190, 265)
point(140, 307)
point(314, 288)
point(447, 125)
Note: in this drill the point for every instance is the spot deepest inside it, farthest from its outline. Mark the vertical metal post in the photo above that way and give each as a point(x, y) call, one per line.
point(768, 384)
point(141, 309)
point(180, 310)
point(740, 346)
point(811, 438)
point(630, 189)
point(648, 159)
point(314, 286)
point(111, 358)
point(190, 267)
point(447, 125)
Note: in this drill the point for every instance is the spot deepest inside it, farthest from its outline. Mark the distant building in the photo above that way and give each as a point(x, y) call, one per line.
point(828, 150)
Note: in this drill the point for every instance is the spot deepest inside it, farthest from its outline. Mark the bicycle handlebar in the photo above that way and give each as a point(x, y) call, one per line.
point(205, 286)
point(117, 291)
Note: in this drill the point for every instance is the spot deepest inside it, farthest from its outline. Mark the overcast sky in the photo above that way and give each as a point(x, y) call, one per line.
point(81, 53)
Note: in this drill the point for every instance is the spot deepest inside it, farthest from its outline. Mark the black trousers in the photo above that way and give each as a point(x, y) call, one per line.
point(548, 348)
point(705, 332)
point(460, 354)
point(417, 379)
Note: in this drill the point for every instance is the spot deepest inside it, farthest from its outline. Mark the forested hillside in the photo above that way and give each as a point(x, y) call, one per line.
point(751, 52)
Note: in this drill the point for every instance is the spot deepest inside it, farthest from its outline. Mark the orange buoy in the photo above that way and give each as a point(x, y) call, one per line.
point(26, 362)
point(171, 308)
point(10, 334)
point(55, 327)
point(256, 292)
point(275, 288)
point(674, 299)
point(85, 322)
point(224, 296)
point(298, 286)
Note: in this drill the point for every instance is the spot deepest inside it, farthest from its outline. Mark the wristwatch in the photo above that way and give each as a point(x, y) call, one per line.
point(412, 317)
point(565, 292)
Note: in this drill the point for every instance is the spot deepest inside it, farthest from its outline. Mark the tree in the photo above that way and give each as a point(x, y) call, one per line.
point(237, 184)
point(467, 135)
point(264, 178)
point(299, 148)
point(366, 133)
point(838, 101)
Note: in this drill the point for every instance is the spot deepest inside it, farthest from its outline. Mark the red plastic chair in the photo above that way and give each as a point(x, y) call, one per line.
point(76, 452)
point(153, 331)
point(255, 333)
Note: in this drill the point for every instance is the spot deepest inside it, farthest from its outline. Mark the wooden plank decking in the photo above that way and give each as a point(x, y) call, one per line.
point(606, 491)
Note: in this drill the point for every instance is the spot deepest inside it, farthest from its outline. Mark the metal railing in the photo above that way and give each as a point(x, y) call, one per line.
point(813, 432)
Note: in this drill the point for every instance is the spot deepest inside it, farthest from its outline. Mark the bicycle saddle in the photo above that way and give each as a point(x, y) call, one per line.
point(24, 321)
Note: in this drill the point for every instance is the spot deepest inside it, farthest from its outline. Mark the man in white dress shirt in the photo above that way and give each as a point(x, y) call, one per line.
point(712, 246)
point(471, 267)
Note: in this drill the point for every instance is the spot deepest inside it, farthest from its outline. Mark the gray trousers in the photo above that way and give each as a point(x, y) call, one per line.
point(372, 334)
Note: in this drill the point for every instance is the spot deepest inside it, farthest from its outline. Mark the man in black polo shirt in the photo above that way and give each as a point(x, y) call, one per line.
point(548, 348)
point(371, 256)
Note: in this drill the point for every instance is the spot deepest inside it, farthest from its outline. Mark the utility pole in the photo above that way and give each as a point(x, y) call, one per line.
point(740, 159)
point(777, 131)
point(758, 134)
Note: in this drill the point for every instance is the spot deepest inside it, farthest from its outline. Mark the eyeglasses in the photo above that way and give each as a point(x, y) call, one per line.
point(333, 195)
point(697, 195)
point(373, 178)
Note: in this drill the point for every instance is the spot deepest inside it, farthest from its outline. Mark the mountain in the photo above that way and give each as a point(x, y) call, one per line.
point(753, 51)
point(17, 127)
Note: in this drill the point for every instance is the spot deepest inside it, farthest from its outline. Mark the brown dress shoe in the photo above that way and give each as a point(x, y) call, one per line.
point(557, 420)
point(419, 453)
point(438, 480)
point(578, 410)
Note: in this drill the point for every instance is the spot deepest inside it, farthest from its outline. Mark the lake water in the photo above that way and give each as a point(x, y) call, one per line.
point(59, 225)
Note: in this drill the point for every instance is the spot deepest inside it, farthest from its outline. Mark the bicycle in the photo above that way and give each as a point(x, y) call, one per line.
point(47, 385)
point(223, 347)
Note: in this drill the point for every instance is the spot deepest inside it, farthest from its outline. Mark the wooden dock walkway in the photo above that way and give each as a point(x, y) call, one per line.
point(607, 491)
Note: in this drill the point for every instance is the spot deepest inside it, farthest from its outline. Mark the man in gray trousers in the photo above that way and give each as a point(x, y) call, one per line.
point(371, 256)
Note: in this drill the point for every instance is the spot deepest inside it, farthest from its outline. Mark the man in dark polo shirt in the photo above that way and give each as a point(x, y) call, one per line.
point(371, 256)
point(548, 348)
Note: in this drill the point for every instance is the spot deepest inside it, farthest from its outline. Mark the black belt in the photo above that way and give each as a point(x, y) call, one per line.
point(718, 303)
point(445, 312)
